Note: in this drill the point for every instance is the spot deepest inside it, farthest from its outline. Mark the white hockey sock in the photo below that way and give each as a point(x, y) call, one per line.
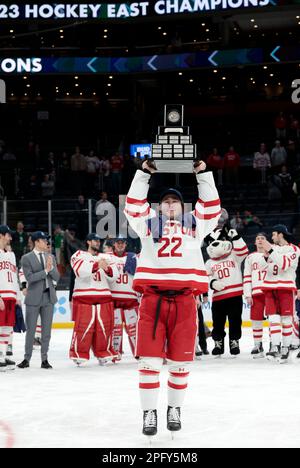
point(4, 337)
point(275, 329)
point(287, 330)
point(38, 332)
point(257, 327)
point(177, 383)
point(10, 339)
point(295, 336)
point(149, 371)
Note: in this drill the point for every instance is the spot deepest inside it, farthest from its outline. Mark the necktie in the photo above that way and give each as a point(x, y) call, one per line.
point(43, 265)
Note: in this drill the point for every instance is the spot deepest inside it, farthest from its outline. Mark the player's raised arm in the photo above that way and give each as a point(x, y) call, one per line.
point(208, 206)
point(137, 209)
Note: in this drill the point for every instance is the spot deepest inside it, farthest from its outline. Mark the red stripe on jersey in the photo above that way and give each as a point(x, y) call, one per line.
point(5, 292)
point(231, 287)
point(273, 332)
point(239, 250)
point(166, 271)
point(209, 203)
point(148, 386)
point(175, 386)
point(286, 334)
point(284, 262)
point(135, 214)
point(242, 254)
point(227, 295)
point(134, 201)
point(77, 268)
point(124, 292)
point(206, 216)
point(247, 276)
point(279, 281)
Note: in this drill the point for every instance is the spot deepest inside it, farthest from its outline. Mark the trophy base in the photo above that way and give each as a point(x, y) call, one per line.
point(179, 166)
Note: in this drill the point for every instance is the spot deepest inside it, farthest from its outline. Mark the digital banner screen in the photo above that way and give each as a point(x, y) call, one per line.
point(98, 11)
point(140, 150)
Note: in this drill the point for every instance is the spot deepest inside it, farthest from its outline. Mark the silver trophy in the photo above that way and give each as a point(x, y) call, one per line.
point(174, 150)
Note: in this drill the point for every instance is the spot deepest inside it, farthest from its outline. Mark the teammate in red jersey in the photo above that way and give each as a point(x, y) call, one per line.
point(9, 289)
point(125, 298)
point(254, 295)
point(280, 262)
point(169, 274)
point(92, 303)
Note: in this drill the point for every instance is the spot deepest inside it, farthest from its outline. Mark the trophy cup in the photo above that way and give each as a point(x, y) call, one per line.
point(173, 150)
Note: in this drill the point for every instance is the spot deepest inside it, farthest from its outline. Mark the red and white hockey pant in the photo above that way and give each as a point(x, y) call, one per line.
point(280, 307)
point(257, 317)
point(149, 371)
point(127, 318)
point(7, 322)
point(93, 330)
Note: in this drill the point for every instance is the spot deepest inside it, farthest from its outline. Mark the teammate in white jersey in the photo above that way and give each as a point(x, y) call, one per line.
point(9, 289)
point(280, 262)
point(125, 298)
point(92, 303)
point(254, 295)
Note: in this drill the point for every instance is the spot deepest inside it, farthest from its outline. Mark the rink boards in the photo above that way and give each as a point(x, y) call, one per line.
point(62, 313)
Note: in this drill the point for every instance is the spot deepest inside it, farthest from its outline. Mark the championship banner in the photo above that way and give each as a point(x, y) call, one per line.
point(110, 11)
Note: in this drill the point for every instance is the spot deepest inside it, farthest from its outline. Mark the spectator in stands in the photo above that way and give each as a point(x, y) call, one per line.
point(216, 164)
point(231, 166)
point(92, 170)
point(286, 183)
point(262, 162)
point(78, 168)
point(19, 242)
point(294, 127)
point(50, 164)
point(105, 211)
point(32, 191)
point(71, 244)
point(237, 223)
point(280, 126)
point(9, 155)
point(64, 171)
point(106, 167)
point(117, 165)
point(48, 187)
point(274, 187)
point(251, 220)
point(278, 157)
point(58, 237)
point(81, 217)
point(293, 156)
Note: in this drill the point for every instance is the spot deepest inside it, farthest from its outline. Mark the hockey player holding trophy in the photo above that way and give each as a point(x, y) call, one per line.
point(170, 271)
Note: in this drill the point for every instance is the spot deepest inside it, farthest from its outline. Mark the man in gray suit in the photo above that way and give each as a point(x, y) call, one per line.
point(40, 271)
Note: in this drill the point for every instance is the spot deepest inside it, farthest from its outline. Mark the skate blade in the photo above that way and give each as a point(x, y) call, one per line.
point(10, 367)
point(150, 439)
point(272, 359)
point(3, 369)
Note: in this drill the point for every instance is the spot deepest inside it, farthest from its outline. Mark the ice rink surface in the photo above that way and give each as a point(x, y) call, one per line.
point(230, 402)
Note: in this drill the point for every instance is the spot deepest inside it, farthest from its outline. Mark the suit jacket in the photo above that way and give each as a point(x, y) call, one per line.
point(36, 276)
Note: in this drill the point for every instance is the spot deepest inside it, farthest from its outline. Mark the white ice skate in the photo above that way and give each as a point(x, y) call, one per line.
point(80, 362)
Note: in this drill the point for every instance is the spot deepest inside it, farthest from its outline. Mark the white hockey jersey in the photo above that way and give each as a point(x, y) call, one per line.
point(122, 289)
point(92, 285)
point(172, 258)
point(228, 270)
point(280, 268)
point(253, 275)
point(9, 286)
